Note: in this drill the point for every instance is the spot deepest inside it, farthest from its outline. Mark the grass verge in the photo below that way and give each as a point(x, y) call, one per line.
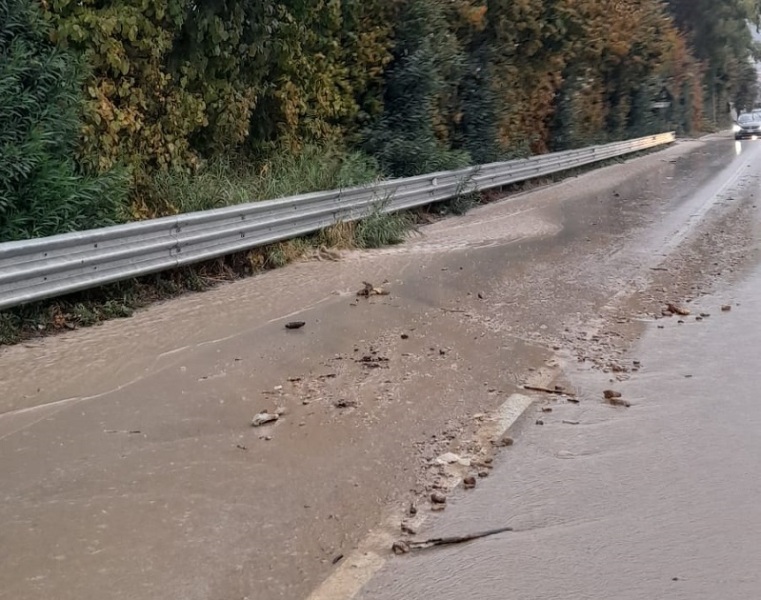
point(226, 183)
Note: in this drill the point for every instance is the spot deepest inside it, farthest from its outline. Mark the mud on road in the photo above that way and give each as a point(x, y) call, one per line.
point(128, 460)
point(647, 484)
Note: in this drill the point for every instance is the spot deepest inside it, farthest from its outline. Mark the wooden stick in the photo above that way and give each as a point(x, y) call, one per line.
point(534, 388)
point(402, 547)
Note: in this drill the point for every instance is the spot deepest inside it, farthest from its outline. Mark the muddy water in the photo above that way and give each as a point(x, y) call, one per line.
point(660, 500)
point(128, 466)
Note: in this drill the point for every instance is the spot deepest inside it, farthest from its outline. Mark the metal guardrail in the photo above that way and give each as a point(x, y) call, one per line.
point(52, 266)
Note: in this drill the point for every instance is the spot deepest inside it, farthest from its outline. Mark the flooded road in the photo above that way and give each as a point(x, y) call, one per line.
point(129, 467)
point(660, 500)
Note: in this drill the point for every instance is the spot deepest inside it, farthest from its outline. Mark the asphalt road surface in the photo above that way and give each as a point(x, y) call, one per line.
point(130, 469)
point(659, 500)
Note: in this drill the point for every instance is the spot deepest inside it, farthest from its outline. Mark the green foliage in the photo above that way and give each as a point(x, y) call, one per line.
point(227, 182)
point(178, 81)
point(475, 128)
point(382, 229)
point(746, 91)
point(423, 76)
point(719, 36)
point(42, 191)
point(210, 103)
point(461, 204)
point(642, 119)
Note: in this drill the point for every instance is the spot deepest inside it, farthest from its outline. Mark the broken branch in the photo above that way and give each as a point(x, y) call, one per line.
point(534, 388)
point(403, 546)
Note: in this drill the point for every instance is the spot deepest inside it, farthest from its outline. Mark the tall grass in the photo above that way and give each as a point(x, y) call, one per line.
point(382, 229)
point(225, 183)
point(42, 188)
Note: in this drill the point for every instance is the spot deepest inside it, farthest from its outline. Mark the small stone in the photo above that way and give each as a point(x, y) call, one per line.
point(610, 394)
point(405, 336)
point(547, 409)
point(343, 403)
point(678, 310)
point(408, 528)
point(263, 418)
point(505, 442)
point(539, 422)
point(412, 509)
point(483, 474)
point(449, 458)
point(295, 325)
point(619, 402)
point(438, 498)
point(400, 547)
point(469, 482)
point(726, 308)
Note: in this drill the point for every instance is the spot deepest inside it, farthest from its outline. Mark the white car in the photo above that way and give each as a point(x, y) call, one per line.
point(748, 126)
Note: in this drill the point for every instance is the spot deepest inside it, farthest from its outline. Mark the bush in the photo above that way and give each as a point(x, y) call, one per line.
point(424, 75)
point(382, 229)
point(226, 182)
point(42, 191)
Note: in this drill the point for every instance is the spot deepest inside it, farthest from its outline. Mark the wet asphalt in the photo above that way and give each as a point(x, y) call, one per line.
point(130, 469)
point(660, 500)
point(657, 500)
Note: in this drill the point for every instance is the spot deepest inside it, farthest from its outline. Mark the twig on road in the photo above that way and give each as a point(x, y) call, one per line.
point(404, 546)
point(533, 388)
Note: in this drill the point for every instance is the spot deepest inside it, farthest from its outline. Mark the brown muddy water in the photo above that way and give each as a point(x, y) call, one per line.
point(129, 466)
point(660, 500)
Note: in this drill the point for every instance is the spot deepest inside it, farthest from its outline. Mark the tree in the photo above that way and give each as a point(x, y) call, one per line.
point(719, 36)
point(42, 189)
point(409, 138)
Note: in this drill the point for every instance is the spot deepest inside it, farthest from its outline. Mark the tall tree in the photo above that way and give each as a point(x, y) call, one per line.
point(42, 189)
point(720, 37)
